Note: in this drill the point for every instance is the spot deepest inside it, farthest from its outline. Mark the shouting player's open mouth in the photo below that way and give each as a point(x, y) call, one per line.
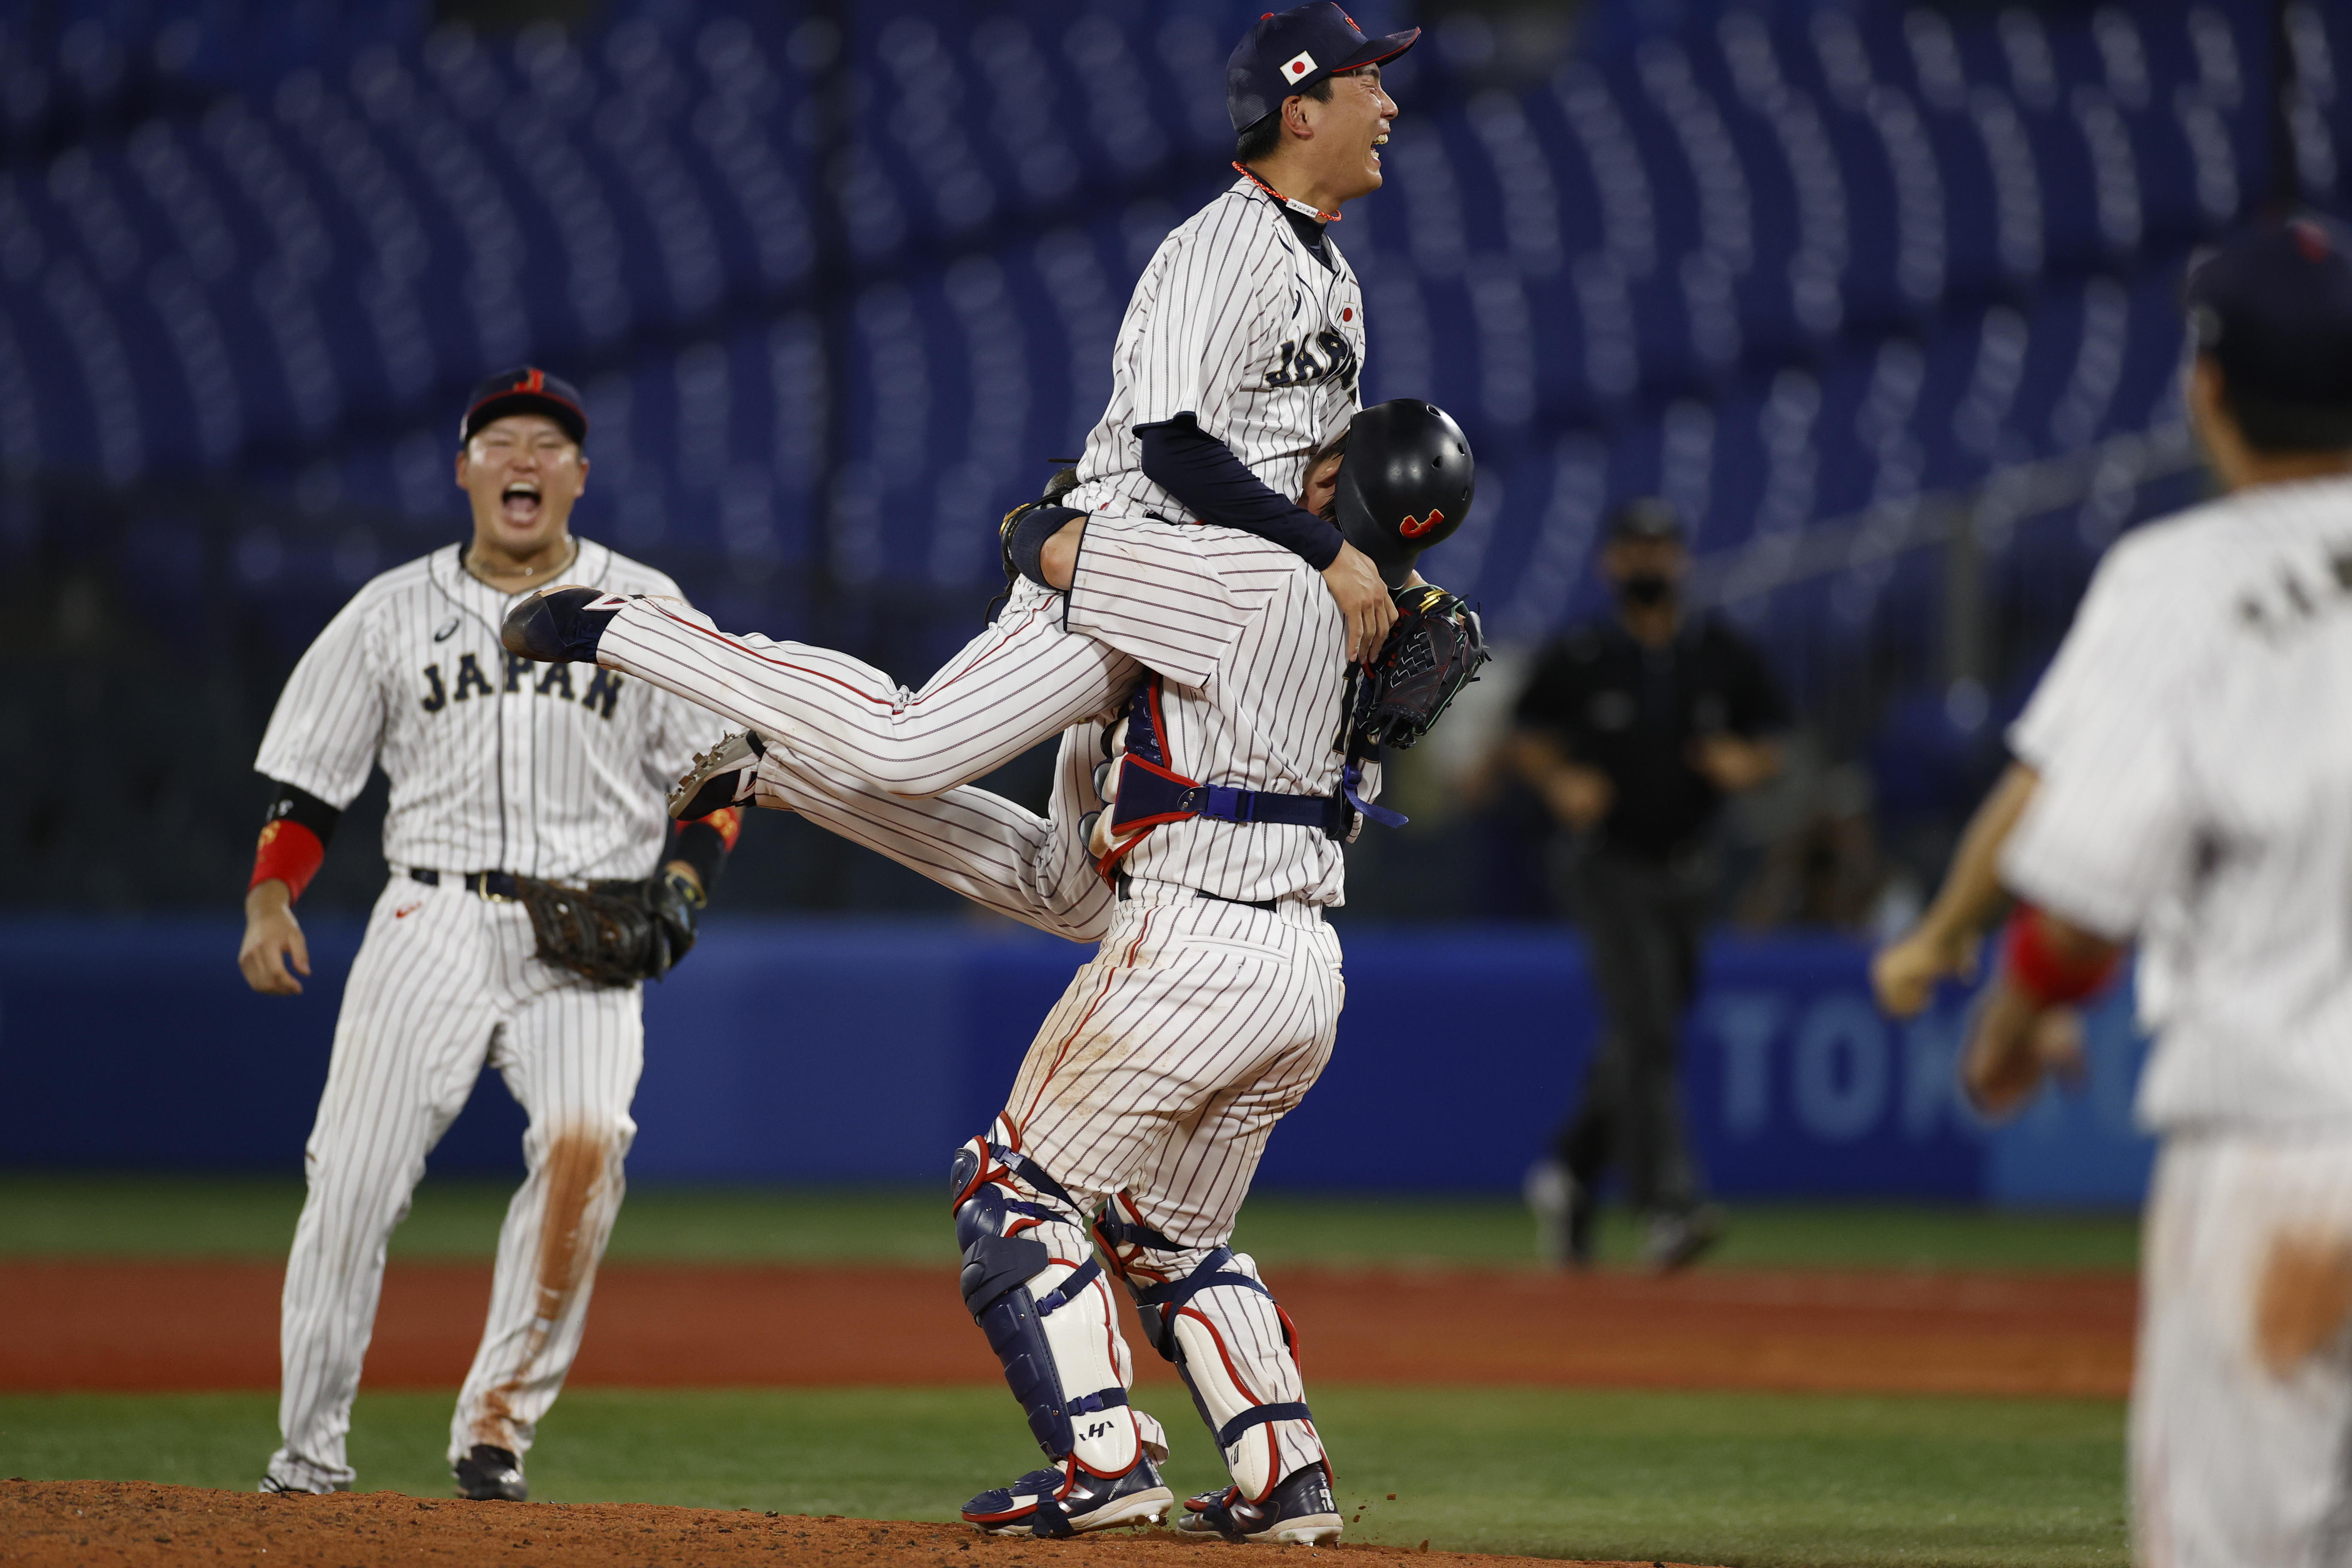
point(1379, 142)
point(519, 502)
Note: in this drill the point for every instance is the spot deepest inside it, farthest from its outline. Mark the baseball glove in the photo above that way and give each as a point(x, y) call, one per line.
point(1431, 653)
point(1064, 481)
point(614, 933)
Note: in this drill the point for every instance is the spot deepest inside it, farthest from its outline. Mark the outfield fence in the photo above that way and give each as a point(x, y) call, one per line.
point(859, 1051)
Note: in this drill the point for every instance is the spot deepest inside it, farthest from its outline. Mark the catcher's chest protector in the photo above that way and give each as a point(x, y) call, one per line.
point(1145, 792)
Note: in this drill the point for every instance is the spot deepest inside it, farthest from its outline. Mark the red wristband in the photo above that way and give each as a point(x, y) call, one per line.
point(2045, 975)
point(290, 853)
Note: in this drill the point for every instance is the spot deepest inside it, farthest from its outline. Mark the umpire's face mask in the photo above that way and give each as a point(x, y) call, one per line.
point(1645, 588)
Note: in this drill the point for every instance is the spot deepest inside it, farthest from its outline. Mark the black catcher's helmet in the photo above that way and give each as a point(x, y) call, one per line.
point(1406, 482)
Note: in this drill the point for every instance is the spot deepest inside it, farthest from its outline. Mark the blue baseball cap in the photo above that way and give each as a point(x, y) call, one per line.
point(526, 389)
point(1289, 51)
point(2272, 307)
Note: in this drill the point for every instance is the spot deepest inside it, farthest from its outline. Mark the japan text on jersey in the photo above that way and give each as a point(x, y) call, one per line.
point(496, 763)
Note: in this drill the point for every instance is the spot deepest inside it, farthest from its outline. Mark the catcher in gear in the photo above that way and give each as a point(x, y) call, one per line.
point(1208, 1010)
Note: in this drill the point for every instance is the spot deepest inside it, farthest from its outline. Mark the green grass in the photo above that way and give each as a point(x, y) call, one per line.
point(157, 1216)
point(1731, 1479)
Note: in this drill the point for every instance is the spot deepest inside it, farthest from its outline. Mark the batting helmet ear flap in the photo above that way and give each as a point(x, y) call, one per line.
point(1405, 485)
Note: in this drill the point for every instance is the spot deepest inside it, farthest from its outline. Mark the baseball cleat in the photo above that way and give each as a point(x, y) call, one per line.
point(1299, 1512)
point(1565, 1214)
point(277, 1488)
point(1066, 1500)
point(490, 1474)
point(1675, 1240)
point(720, 777)
point(560, 625)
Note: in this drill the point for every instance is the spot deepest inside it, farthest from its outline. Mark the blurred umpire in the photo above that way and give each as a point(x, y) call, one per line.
point(1632, 729)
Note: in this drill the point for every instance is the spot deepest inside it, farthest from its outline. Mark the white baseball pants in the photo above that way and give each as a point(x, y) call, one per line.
point(2241, 1397)
point(444, 980)
point(1157, 1080)
point(1022, 681)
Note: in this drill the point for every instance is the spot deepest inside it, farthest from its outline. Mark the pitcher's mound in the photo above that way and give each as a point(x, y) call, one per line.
point(83, 1523)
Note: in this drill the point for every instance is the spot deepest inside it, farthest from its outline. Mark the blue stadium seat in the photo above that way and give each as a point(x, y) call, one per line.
point(1793, 261)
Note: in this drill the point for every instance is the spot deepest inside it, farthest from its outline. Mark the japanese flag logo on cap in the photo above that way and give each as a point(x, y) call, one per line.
point(1298, 66)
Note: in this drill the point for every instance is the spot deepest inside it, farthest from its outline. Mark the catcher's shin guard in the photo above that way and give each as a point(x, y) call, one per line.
point(1031, 1283)
point(1232, 1345)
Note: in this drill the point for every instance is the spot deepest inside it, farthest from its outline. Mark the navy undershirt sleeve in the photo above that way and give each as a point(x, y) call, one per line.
point(1216, 487)
point(289, 804)
point(702, 846)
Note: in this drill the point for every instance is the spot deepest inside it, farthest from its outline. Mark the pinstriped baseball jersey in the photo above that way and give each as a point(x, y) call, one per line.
point(2237, 802)
point(1234, 323)
point(496, 763)
point(1251, 646)
point(2162, 601)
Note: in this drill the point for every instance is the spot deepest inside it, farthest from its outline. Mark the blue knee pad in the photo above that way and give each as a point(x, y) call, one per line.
point(997, 1269)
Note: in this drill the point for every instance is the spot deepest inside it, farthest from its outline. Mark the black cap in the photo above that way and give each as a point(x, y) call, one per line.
point(1289, 51)
point(1645, 518)
point(2273, 308)
point(525, 389)
point(1405, 485)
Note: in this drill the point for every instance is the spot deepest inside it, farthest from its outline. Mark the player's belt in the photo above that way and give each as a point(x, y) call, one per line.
point(499, 887)
point(1123, 883)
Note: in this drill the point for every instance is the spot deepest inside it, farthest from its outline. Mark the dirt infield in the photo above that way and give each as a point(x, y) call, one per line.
point(137, 1326)
point(83, 1523)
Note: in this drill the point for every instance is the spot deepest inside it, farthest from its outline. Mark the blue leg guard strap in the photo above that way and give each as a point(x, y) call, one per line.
point(1062, 1295)
point(1258, 1415)
point(1156, 1306)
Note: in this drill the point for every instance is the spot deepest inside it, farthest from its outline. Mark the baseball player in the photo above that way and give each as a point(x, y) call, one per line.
point(2226, 820)
point(1205, 668)
point(2153, 610)
point(506, 779)
point(1241, 350)
point(1237, 359)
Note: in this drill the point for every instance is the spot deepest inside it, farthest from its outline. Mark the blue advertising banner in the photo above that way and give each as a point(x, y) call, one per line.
point(851, 1051)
